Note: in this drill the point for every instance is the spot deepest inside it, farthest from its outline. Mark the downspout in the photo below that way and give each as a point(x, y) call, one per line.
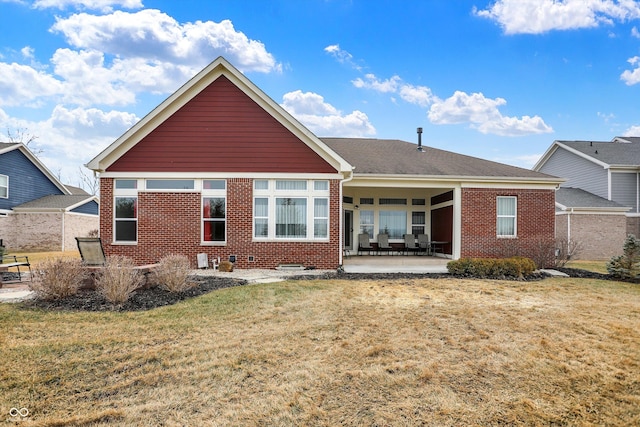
point(341, 237)
point(569, 226)
point(63, 215)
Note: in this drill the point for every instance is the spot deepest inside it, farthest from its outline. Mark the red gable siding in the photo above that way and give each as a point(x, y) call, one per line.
point(221, 130)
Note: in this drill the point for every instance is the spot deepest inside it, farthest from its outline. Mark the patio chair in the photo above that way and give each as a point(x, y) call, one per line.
point(91, 251)
point(410, 244)
point(383, 243)
point(364, 245)
point(424, 243)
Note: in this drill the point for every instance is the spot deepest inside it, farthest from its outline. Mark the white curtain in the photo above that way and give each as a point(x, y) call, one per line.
point(393, 223)
point(291, 217)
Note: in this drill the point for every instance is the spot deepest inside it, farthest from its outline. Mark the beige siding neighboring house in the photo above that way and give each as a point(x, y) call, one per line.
point(597, 225)
point(37, 211)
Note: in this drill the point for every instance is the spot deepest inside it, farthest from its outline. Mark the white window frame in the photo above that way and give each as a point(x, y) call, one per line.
point(275, 191)
point(215, 193)
point(513, 217)
point(5, 186)
point(131, 193)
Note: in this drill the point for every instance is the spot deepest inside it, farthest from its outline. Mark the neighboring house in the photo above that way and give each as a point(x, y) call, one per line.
point(220, 168)
point(608, 208)
point(38, 212)
point(596, 224)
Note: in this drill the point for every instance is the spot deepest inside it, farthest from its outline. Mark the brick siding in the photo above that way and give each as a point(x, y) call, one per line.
point(535, 223)
point(170, 223)
point(598, 236)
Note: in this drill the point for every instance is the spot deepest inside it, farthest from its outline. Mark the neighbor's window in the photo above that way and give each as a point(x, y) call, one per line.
point(506, 223)
point(126, 219)
point(4, 186)
point(214, 219)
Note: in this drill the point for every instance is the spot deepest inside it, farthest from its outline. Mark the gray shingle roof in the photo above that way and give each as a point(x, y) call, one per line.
point(395, 157)
point(611, 153)
point(54, 202)
point(578, 198)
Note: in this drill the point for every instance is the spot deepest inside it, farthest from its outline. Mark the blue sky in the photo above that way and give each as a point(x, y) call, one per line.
point(500, 80)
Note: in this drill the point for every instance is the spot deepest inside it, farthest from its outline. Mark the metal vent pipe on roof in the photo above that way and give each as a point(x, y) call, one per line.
point(419, 130)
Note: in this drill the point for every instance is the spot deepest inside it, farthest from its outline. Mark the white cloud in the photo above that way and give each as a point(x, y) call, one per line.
point(70, 138)
point(632, 77)
point(540, 16)
point(370, 81)
point(323, 118)
point(635, 33)
point(156, 36)
point(341, 56)
point(23, 85)
point(419, 95)
point(632, 131)
point(101, 5)
point(483, 114)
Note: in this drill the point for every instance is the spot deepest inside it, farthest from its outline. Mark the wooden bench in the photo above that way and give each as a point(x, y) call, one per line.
point(14, 261)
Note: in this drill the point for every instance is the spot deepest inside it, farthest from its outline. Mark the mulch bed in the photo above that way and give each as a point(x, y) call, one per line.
point(153, 297)
point(142, 299)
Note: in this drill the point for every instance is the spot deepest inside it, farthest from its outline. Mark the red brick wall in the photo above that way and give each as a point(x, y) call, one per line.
point(169, 223)
point(535, 224)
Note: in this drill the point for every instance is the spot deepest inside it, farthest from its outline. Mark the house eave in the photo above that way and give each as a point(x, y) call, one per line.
point(456, 179)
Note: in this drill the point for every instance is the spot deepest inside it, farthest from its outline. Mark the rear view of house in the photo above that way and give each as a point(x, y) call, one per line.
point(220, 168)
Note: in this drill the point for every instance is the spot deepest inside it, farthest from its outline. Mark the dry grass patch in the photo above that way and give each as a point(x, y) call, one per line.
point(407, 352)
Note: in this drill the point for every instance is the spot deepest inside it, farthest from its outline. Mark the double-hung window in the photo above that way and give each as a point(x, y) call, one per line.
point(214, 211)
point(291, 209)
point(125, 209)
point(4, 186)
point(506, 216)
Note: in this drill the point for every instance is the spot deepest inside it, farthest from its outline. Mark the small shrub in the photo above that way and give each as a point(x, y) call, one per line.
point(57, 278)
point(118, 279)
point(173, 273)
point(492, 268)
point(627, 265)
point(565, 250)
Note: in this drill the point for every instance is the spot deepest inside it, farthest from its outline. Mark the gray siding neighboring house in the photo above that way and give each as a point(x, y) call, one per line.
point(598, 204)
point(37, 211)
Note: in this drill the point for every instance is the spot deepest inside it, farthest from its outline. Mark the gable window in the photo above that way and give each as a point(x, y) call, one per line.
point(214, 211)
point(506, 216)
point(126, 219)
point(291, 209)
point(4, 186)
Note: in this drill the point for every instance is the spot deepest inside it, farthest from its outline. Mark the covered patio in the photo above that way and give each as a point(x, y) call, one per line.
point(394, 264)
